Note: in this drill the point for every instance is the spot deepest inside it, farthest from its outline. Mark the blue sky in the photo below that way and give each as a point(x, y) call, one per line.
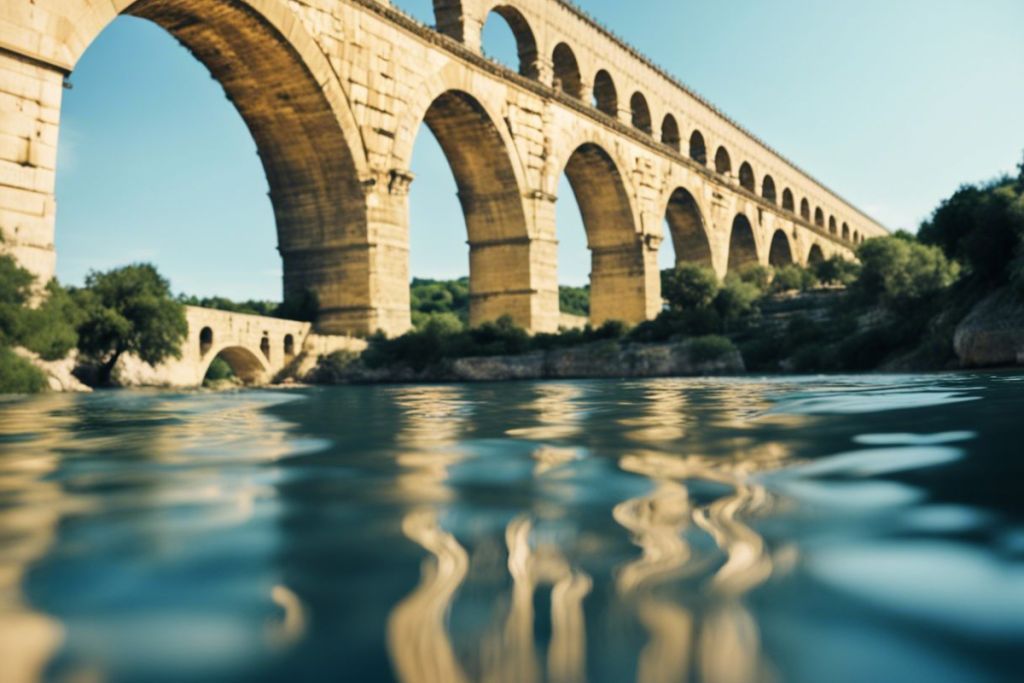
point(892, 103)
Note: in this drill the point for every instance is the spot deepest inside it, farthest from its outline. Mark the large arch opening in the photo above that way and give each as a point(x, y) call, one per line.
point(238, 362)
point(617, 273)
point(567, 71)
point(742, 245)
point(780, 253)
point(457, 131)
point(686, 234)
point(698, 149)
point(508, 39)
point(287, 116)
point(606, 97)
point(641, 113)
point(670, 132)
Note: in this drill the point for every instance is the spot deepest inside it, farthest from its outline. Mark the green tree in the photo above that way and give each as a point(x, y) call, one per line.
point(897, 272)
point(836, 271)
point(129, 310)
point(793, 278)
point(574, 300)
point(689, 287)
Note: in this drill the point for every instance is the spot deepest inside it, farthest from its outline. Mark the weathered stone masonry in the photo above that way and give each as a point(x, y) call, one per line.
point(334, 93)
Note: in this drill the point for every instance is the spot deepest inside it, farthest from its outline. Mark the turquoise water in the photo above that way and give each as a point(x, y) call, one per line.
point(728, 530)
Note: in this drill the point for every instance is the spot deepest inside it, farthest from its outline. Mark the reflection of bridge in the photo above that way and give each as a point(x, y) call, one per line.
point(257, 348)
point(334, 93)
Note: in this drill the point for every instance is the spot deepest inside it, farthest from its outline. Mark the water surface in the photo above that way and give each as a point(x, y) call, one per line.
point(787, 529)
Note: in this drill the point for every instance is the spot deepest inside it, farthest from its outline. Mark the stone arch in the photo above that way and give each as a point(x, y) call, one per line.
point(805, 209)
point(265, 346)
point(832, 225)
point(723, 164)
point(670, 132)
point(815, 255)
point(247, 364)
point(606, 96)
point(488, 178)
point(742, 243)
point(787, 201)
point(819, 217)
point(698, 149)
point(641, 113)
point(687, 228)
point(526, 42)
point(205, 340)
point(617, 273)
point(293, 105)
point(567, 71)
point(289, 346)
point(448, 19)
point(768, 189)
point(780, 254)
point(747, 180)
point(856, 237)
point(846, 232)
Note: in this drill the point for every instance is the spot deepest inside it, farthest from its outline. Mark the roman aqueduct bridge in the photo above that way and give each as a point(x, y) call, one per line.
point(334, 93)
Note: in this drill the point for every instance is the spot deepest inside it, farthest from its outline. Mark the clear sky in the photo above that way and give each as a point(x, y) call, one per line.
point(892, 103)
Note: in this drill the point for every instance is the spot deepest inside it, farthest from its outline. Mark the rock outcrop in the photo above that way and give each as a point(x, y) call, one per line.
point(59, 373)
point(992, 334)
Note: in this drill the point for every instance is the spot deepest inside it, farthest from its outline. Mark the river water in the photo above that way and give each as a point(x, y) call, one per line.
point(729, 530)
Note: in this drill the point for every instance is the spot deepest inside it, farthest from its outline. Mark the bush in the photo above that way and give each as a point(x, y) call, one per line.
point(793, 278)
point(333, 368)
point(710, 348)
point(897, 272)
point(440, 296)
point(755, 274)
point(574, 300)
point(219, 370)
point(18, 376)
point(689, 286)
point(447, 319)
point(737, 300)
point(836, 271)
point(49, 329)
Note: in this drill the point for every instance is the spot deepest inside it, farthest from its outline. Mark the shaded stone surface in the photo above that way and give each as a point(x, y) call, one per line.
point(992, 334)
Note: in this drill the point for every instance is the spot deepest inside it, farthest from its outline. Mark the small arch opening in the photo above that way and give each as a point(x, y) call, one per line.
point(805, 210)
point(846, 232)
point(747, 181)
point(567, 71)
point(856, 237)
point(768, 189)
point(698, 150)
point(205, 340)
point(787, 200)
point(265, 345)
point(519, 53)
point(641, 113)
point(723, 163)
point(670, 132)
point(606, 97)
point(832, 225)
point(819, 217)
point(289, 346)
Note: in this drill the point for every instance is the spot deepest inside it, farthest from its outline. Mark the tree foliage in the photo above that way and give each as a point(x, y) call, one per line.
point(897, 272)
point(129, 310)
point(688, 287)
point(574, 300)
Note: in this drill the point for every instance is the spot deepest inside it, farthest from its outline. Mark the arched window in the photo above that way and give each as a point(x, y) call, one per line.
point(526, 44)
point(641, 113)
point(768, 189)
point(567, 71)
point(787, 200)
point(670, 132)
point(265, 346)
point(698, 150)
point(856, 237)
point(723, 164)
point(832, 224)
point(289, 346)
point(606, 98)
point(805, 209)
point(205, 340)
point(846, 232)
point(747, 181)
point(819, 217)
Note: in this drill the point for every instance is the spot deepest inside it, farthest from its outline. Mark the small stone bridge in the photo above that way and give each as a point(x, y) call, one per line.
point(256, 347)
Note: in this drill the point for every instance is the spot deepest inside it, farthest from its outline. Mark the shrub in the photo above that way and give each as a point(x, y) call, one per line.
point(49, 329)
point(793, 278)
point(574, 300)
point(219, 370)
point(689, 286)
point(710, 348)
point(18, 376)
point(755, 274)
point(333, 368)
point(836, 271)
point(736, 300)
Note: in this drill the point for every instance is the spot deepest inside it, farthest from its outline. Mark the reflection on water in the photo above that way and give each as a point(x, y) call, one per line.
point(725, 531)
